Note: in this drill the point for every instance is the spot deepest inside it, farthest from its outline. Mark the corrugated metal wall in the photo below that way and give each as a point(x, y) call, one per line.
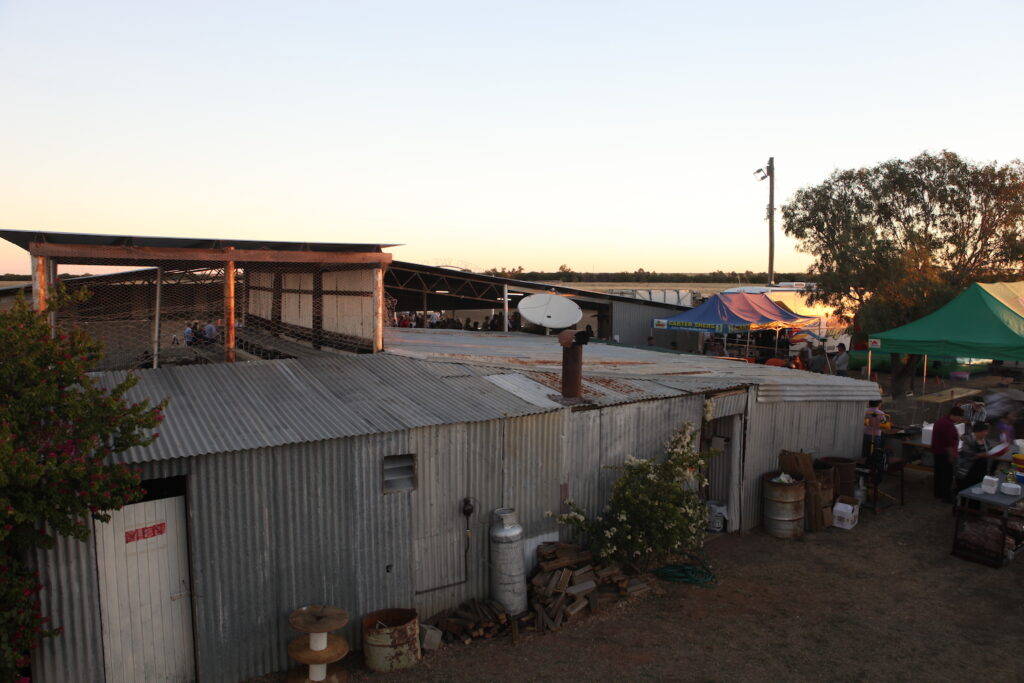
point(532, 469)
point(70, 598)
point(823, 428)
point(632, 322)
point(453, 462)
point(581, 467)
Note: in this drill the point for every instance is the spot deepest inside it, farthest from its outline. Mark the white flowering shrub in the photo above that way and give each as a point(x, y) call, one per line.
point(655, 509)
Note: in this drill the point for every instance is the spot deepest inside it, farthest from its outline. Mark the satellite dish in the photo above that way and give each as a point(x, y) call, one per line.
point(550, 310)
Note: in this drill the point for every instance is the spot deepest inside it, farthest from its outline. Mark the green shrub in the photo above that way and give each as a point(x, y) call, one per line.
point(655, 509)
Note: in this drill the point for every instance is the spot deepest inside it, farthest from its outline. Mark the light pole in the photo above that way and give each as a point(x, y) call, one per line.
point(769, 173)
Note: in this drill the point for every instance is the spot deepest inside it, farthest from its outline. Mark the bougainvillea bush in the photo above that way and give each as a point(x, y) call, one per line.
point(58, 430)
point(655, 509)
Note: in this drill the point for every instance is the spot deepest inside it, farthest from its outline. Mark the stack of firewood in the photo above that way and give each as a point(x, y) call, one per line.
point(567, 581)
point(473, 619)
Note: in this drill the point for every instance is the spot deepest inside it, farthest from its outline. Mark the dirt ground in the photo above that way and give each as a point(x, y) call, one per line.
point(883, 601)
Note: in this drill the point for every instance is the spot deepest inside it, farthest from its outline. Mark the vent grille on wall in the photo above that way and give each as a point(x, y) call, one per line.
point(399, 473)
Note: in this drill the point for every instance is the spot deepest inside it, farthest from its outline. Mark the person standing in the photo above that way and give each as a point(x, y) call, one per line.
point(841, 360)
point(819, 361)
point(210, 332)
point(874, 416)
point(945, 451)
point(871, 450)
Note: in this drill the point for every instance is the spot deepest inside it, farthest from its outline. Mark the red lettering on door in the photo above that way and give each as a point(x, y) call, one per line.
point(145, 532)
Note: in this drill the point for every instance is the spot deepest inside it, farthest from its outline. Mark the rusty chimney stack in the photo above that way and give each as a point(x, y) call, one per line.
point(572, 362)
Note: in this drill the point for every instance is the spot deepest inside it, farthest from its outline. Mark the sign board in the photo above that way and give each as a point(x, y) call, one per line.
point(874, 343)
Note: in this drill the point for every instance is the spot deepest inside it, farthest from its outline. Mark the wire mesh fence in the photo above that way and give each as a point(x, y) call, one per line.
point(180, 313)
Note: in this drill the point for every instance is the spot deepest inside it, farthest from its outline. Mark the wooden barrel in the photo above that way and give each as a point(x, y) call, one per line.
point(846, 474)
point(824, 472)
point(783, 507)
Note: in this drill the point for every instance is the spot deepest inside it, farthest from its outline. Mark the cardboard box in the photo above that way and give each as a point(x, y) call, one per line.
point(845, 512)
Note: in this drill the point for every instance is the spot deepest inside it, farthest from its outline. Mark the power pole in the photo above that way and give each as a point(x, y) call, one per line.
point(771, 221)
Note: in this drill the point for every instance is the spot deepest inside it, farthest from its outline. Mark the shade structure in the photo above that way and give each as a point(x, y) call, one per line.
point(984, 321)
point(733, 312)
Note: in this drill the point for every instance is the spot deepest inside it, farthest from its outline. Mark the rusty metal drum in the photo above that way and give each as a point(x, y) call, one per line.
point(391, 639)
point(783, 507)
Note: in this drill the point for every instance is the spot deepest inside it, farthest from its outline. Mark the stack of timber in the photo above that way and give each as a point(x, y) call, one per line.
point(567, 582)
point(472, 620)
point(817, 510)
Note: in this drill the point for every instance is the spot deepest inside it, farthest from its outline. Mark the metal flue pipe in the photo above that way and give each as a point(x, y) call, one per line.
point(572, 362)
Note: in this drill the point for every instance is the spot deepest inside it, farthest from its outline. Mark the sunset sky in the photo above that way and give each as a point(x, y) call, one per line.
point(602, 135)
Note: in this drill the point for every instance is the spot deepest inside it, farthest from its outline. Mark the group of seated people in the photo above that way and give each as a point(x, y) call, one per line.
point(194, 335)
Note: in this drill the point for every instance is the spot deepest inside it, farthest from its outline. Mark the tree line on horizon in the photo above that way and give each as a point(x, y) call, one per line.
point(567, 274)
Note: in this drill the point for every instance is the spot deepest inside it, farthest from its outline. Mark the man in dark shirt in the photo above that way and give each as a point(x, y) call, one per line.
point(945, 450)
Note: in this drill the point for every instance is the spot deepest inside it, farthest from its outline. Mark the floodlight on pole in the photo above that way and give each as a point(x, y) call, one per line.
point(769, 173)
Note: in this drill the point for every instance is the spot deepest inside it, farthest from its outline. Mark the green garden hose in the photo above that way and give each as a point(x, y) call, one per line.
point(697, 572)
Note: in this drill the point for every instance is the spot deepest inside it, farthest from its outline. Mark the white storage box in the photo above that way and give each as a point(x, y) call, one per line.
point(845, 512)
point(990, 484)
point(926, 433)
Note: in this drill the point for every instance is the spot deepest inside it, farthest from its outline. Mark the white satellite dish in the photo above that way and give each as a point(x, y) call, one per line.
point(550, 310)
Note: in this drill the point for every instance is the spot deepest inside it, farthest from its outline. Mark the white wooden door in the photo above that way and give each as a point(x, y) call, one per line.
point(145, 598)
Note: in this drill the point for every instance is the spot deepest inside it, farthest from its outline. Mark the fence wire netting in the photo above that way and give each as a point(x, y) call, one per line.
point(177, 313)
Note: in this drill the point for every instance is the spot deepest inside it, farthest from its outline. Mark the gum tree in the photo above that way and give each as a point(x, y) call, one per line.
point(897, 241)
point(58, 432)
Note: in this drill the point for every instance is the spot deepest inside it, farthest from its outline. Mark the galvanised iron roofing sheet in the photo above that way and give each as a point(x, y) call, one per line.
point(232, 407)
point(683, 372)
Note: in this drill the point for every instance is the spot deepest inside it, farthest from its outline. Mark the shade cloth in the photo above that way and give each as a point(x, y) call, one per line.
point(984, 321)
point(733, 312)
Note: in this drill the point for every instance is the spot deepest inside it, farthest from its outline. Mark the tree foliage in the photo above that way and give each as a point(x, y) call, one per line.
point(897, 241)
point(58, 431)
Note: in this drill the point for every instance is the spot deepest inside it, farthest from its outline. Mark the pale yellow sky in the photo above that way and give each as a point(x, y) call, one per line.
point(605, 136)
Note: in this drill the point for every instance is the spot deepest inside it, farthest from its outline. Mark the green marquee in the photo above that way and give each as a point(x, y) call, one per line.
point(985, 321)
